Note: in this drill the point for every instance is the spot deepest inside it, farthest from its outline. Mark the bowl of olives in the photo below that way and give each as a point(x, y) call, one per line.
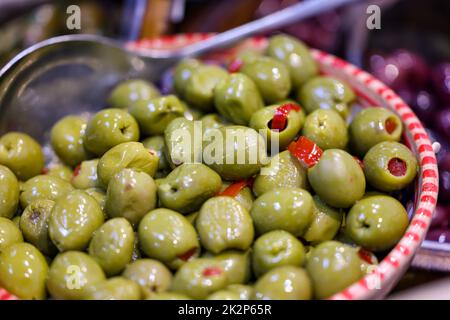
point(326, 193)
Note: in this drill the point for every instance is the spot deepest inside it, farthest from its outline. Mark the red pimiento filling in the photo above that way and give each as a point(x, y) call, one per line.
point(188, 254)
point(77, 170)
point(366, 256)
point(397, 167)
point(233, 189)
point(279, 119)
point(212, 271)
point(306, 151)
point(235, 66)
point(390, 125)
point(44, 170)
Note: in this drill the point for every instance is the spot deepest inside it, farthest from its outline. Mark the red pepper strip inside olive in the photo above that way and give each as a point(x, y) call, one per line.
point(280, 116)
point(306, 151)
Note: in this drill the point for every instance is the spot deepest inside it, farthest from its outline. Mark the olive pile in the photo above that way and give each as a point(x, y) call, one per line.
point(121, 213)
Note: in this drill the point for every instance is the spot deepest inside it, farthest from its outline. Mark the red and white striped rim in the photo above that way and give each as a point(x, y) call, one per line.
point(370, 92)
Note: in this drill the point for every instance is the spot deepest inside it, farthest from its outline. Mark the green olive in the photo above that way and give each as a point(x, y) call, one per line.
point(244, 291)
point(34, 225)
point(60, 171)
point(274, 249)
point(72, 274)
point(131, 155)
point(235, 152)
point(112, 245)
point(73, 220)
point(390, 166)
point(283, 283)
point(129, 92)
point(289, 209)
point(66, 138)
point(223, 223)
point(271, 77)
point(295, 54)
point(333, 266)
point(199, 88)
point(168, 236)
point(372, 126)
point(158, 145)
point(151, 275)
point(188, 186)
point(9, 193)
point(9, 233)
point(199, 278)
point(22, 154)
point(108, 128)
point(183, 142)
point(236, 264)
point(183, 71)
point(23, 271)
point(236, 98)
point(154, 115)
point(337, 178)
point(244, 196)
point(261, 121)
point(117, 288)
point(99, 195)
point(131, 194)
point(327, 129)
point(326, 92)
point(43, 187)
point(85, 175)
point(283, 171)
point(325, 223)
point(377, 222)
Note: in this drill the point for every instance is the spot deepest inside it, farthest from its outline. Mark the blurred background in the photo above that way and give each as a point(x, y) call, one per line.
point(410, 53)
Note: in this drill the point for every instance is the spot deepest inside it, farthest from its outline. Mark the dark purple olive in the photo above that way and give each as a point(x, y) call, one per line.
point(441, 217)
point(444, 180)
point(400, 69)
point(440, 77)
point(424, 106)
point(439, 235)
point(443, 122)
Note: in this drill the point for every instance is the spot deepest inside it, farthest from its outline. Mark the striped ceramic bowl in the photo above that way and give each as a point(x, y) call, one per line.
point(370, 92)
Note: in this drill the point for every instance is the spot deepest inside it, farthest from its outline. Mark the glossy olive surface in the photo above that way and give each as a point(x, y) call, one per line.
point(72, 274)
point(223, 223)
point(67, 137)
point(23, 271)
point(333, 266)
point(188, 186)
point(22, 154)
point(376, 222)
point(130, 194)
point(372, 126)
point(73, 220)
point(168, 236)
point(108, 128)
point(112, 245)
point(337, 178)
point(289, 209)
point(390, 166)
point(9, 193)
point(283, 283)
